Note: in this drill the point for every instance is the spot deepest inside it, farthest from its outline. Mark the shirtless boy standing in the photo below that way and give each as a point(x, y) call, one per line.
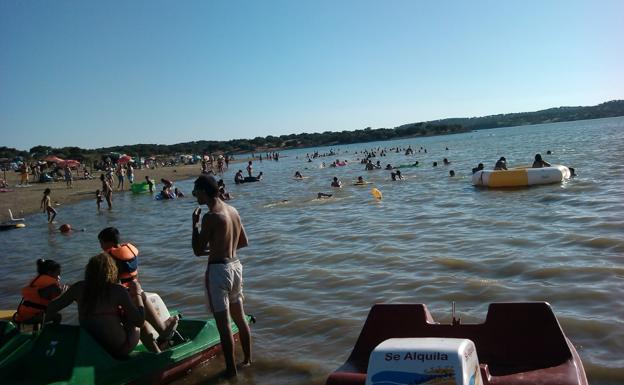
point(249, 168)
point(221, 233)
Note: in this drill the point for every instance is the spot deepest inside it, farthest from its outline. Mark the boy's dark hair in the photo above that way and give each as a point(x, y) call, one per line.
point(45, 266)
point(109, 234)
point(46, 191)
point(208, 184)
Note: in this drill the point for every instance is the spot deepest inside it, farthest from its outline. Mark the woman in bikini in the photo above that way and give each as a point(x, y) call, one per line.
point(109, 312)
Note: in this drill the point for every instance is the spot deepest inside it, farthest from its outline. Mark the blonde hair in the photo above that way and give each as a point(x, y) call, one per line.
point(101, 271)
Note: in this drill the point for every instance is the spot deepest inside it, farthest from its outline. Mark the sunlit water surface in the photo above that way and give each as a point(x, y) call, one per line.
point(314, 267)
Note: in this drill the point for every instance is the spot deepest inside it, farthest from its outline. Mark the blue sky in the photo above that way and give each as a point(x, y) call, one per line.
point(102, 73)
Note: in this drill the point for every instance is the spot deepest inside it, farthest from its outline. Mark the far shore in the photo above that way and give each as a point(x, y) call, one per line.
point(26, 200)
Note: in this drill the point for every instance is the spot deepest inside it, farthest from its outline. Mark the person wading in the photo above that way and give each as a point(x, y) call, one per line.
point(220, 234)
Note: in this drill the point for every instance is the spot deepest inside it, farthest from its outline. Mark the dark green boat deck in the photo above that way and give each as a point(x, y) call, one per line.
point(67, 354)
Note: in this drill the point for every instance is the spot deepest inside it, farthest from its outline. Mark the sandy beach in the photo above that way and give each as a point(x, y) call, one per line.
point(27, 200)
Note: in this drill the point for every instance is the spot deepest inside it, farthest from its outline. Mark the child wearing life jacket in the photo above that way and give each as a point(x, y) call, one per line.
point(126, 259)
point(39, 293)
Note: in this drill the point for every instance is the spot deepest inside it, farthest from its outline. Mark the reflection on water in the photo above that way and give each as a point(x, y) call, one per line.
point(315, 266)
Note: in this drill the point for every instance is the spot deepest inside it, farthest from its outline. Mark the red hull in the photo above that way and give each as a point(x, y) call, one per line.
point(181, 368)
point(518, 344)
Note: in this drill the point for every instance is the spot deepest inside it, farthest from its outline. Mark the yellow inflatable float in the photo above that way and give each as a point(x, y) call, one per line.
point(376, 193)
point(521, 176)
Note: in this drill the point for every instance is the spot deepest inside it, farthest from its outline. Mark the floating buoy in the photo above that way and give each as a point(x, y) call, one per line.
point(9, 226)
point(376, 193)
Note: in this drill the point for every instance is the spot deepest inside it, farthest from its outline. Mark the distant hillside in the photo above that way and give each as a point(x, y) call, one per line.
point(329, 138)
point(552, 115)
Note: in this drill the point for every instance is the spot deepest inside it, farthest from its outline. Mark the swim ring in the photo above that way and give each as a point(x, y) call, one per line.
point(521, 176)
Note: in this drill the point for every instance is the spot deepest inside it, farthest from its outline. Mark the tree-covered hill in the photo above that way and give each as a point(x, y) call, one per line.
point(329, 138)
point(551, 115)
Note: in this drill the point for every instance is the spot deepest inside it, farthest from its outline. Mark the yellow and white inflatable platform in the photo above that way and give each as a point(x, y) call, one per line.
point(521, 176)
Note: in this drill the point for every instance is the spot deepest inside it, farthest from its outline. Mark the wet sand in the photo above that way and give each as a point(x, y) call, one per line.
point(27, 200)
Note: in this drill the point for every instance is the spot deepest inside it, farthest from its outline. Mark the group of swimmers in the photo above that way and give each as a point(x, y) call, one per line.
point(395, 175)
point(169, 191)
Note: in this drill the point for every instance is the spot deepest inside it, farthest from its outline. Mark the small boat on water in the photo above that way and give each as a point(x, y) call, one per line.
point(68, 355)
point(518, 344)
point(521, 176)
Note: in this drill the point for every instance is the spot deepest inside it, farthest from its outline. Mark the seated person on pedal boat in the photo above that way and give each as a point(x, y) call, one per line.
point(39, 292)
point(109, 312)
point(126, 257)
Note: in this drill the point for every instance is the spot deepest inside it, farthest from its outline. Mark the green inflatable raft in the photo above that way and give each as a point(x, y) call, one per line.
point(67, 354)
point(143, 187)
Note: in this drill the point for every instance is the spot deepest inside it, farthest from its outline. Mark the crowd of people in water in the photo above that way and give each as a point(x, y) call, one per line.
point(370, 164)
point(367, 157)
point(220, 164)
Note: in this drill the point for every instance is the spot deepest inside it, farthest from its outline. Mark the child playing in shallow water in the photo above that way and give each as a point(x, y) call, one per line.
point(98, 198)
point(46, 205)
point(39, 292)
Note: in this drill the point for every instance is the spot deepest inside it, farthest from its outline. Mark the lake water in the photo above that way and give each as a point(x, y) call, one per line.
point(314, 267)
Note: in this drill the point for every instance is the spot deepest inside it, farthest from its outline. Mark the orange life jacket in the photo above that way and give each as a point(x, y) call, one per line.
point(32, 303)
point(126, 259)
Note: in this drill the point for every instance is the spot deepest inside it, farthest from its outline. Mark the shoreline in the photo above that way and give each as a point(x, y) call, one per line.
point(26, 200)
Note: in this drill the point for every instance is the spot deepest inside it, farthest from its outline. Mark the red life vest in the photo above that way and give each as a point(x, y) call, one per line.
point(32, 303)
point(126, 259)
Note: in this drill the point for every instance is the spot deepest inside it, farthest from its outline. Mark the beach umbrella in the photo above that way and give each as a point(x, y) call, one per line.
point(71, 163)
point(53, 159)
point(124, 159)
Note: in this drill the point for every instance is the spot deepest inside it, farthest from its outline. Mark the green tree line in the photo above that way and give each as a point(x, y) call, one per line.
point(330, 138)
point(552, 115)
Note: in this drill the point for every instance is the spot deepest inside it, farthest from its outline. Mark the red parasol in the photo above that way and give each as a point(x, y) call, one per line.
point(53, 159)
point(124, 159)
point(71, 163)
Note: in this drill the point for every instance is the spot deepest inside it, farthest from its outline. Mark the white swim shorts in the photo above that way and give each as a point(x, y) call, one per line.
point(223, 285)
